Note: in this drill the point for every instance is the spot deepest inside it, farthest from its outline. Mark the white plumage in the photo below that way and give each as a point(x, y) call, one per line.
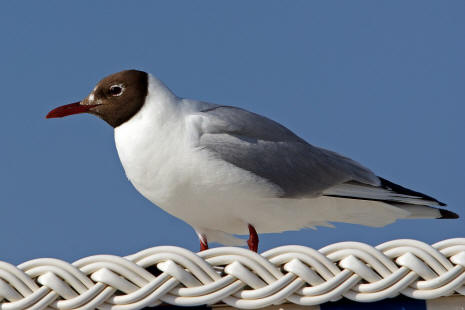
point(163, 156)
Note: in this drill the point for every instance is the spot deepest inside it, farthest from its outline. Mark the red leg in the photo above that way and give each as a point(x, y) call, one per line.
point(253, 239)
point(203, 243)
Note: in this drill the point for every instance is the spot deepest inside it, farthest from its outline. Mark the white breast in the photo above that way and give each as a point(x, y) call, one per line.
point(158, 152)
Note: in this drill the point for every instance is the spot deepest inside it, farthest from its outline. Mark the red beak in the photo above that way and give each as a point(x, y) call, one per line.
point(69, 109)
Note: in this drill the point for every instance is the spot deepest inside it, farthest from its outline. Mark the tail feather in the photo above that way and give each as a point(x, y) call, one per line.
point(417, 204)
point(386, 192)
point(446, 214)
point(425, 212)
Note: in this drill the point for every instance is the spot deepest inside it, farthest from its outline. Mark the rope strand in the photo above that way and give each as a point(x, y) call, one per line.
point(238, 277)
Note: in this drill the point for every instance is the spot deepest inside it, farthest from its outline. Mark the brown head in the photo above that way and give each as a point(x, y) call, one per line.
point(115, 99)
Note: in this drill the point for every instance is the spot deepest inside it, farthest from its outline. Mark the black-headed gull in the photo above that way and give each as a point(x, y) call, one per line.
point(227, 171)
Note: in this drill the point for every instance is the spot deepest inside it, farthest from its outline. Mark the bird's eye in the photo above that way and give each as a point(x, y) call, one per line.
point(116, 90)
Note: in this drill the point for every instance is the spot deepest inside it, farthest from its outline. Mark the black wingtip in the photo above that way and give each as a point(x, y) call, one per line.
point(446, 214)
point(403, 190)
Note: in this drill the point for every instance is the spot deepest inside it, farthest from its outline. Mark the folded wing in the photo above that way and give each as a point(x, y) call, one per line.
point(301, 170)
point(271, 151)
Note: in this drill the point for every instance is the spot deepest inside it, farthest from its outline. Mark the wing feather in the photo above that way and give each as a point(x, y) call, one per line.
point(271, 151)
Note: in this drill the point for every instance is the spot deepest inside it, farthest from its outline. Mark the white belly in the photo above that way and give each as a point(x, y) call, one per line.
point(188, 182)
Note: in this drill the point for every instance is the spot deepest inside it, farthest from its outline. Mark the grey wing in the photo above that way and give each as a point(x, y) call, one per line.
point(273, 152)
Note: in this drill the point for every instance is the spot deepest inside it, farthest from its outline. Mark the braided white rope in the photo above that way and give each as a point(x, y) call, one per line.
point(238, 277)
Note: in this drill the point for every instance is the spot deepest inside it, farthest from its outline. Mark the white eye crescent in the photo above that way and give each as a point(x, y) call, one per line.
point(116, 90)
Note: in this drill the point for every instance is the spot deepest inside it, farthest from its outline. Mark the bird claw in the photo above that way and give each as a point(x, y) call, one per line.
point(253, 239)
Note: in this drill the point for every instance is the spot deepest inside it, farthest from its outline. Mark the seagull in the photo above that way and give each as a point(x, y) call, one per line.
point(227, 171)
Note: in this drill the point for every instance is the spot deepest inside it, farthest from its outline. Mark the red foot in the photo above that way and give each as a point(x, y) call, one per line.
point(203, 244)
point(253, 239)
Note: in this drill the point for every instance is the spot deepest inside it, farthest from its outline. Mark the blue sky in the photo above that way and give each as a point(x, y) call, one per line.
point(382, 82)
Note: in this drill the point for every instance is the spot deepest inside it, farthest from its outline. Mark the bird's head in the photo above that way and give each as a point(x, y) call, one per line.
point(115, 99)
